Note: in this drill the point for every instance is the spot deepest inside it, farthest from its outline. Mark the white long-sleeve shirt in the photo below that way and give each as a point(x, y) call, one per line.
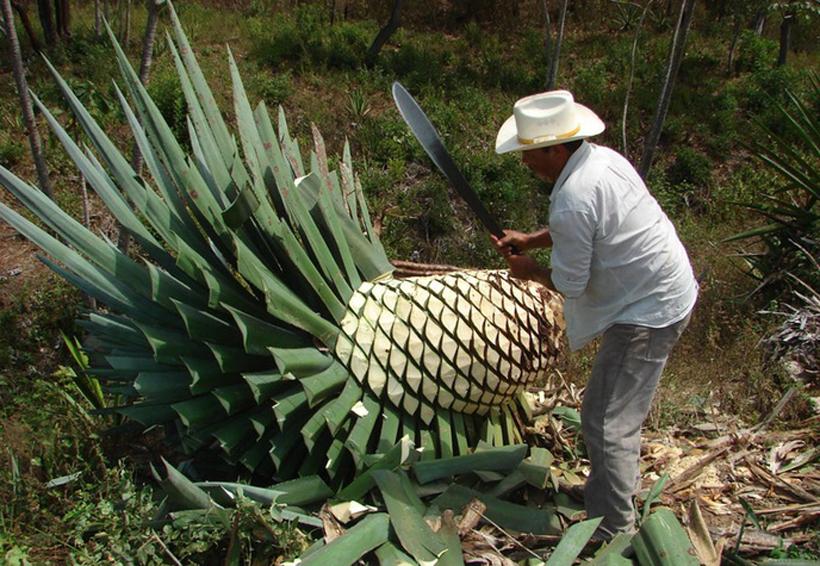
point(615, 255)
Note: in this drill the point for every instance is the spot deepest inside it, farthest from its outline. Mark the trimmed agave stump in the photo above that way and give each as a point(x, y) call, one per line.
point(261, 315)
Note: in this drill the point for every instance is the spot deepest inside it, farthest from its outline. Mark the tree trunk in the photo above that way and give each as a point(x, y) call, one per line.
point(730, 61)
point(553, 74)
point(548, 51)
point(126, 26)
point(25, 100)
point(46, 22)
point(62, 15)
point(785, 38)
point(384, 34)
point(26, 22)
point(675, 57)
point(97, 18)
point(631, 78)
point(759, 22)
point(148, 39)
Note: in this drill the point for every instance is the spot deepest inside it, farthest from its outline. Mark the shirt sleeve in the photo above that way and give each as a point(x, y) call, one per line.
point(573, 233)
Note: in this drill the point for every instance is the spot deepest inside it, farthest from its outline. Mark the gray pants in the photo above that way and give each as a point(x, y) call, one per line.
point(616, 401)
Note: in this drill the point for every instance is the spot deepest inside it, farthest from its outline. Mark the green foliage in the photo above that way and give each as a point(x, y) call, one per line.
point(11, 151)
point(273, 88)
point(306, 38)
point(121, 527)
point(690, 166)
point(789, 241)
point(88, 385)
point(166, 91)
point(418, 63)
point(755, 52)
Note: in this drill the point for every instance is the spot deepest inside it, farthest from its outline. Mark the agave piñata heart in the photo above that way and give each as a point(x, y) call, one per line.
point(261, 314)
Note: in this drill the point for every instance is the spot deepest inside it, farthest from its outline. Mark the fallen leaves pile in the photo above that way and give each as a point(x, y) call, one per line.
point(716, 492)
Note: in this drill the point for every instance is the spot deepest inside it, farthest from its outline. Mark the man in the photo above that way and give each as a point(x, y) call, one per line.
point(623, 272)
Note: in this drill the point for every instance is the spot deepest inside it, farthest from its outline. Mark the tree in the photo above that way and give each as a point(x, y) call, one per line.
point(62, 11)
point(153, 7)
point(47, 22)
point(384, 34)
point(19, 72)
point(675, 57)
point(552, 74)
point(632, 76)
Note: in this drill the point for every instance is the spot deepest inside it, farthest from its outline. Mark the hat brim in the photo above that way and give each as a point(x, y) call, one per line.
point(507, 138)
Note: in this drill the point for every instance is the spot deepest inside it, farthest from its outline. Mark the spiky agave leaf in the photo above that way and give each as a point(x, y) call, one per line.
point(262, 316)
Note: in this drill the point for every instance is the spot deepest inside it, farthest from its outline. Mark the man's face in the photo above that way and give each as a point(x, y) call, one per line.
point(546, 163)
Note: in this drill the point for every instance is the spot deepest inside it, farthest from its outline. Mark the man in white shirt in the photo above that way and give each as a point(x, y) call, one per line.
point(625, 275)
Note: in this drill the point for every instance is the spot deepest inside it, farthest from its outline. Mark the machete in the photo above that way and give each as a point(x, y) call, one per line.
point(429, 139)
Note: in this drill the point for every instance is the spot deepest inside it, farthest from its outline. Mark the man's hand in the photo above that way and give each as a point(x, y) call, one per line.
point(525, 267)
point(522, 241)
point(512, 239)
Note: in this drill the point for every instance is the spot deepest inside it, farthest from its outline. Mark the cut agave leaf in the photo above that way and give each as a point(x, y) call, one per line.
point(662, 540)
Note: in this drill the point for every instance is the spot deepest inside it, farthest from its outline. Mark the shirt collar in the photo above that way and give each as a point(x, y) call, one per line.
point(578, 156)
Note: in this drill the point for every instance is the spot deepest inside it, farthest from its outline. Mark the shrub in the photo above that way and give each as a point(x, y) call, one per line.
point(166, 92)
point(791, 210)
point(11, 152)
point(690, 166)
point(755, 52)
point(418, 64)
point(307, 38)
point(273, 88)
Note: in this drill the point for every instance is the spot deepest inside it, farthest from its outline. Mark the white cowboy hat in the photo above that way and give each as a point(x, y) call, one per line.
point(546, 118)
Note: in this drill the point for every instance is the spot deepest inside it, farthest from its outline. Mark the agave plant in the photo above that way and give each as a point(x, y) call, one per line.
point(261, 314)
point(789, 238)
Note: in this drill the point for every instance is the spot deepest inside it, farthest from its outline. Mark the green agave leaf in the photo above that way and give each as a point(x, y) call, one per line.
point(389, 555)
point(401, 453)
point(405, 511)
point(282, 302)
point(662, 540)
point(502, 458)
point(182, 492)
point(507, 515)
point(573, 542)
point(89, 278)
point(220, 131)
point(367, 535)
point(105, 256)
point(321, 385)
point(258, 334)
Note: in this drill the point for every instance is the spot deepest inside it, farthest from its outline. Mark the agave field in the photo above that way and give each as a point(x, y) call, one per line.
point(308, 390)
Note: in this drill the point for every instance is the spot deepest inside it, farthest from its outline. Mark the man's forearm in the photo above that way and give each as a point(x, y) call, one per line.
point(543, 275)
point(540, 239)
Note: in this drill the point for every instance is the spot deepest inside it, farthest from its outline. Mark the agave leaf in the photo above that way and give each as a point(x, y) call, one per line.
point(573, 542)
point(507, 515)
point(182, 492)
point(320, 385)
point(611, 554)
point(398, 455)
point(390, 555)
point(258, 334)
point(405, 511)
point(214, 116)
point(662, 540)
point(368, 534)
point(85, 275)
point(105, 256)
point(359, 438)
point(653, 495)
point(502, 458)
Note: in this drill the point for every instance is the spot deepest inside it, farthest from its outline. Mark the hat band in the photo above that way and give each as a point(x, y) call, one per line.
point(540, 139)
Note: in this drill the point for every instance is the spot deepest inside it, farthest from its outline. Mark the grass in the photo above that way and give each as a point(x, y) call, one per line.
point(467, 79)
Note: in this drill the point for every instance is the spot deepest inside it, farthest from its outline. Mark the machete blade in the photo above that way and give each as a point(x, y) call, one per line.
point(429, 139)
